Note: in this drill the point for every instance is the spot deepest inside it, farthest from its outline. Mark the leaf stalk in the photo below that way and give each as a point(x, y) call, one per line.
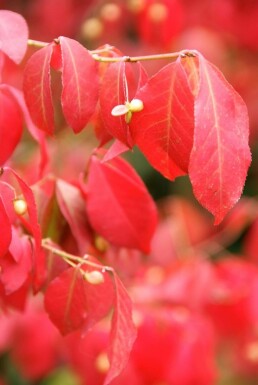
point(74, 260)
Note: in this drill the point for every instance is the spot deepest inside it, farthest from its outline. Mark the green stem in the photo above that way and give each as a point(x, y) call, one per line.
point(36, 43)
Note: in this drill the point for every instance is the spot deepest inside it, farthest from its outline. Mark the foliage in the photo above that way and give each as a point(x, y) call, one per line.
point(95, 275)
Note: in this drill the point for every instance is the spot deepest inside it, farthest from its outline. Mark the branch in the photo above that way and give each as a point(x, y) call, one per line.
point(73, 260)
point(134, 59)
point(128, 59)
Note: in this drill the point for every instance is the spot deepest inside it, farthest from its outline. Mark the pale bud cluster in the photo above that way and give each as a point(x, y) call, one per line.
point(127, 109)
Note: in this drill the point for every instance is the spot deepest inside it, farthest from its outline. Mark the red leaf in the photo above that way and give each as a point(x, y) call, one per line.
point(73, 303)
point(6, 233)
point(65, 301)
point(13, 35)
point(117, 83)
point(56, 58)
point(80, 84)
point(36, 133)
point(7, 194)
point(10, 125)
point(123, 332)
point(32, 224)
point(100, 130)
point(37, 89)
point(72, 207)
point(143, 76)
point(2, 60)
point(119, 207)
point(164, 129)
point(220, 156)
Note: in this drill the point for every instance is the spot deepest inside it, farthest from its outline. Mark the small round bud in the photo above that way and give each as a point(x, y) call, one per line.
point(136, 105)
point(95, 277)
point(20, 206)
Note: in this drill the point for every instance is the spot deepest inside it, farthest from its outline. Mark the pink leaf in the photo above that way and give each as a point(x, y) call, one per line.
point(31, 223)
point(13, 35)
point(220, 156)
point(117, 148)
point(37, 89)
point(17, 264)
point(123, 332)
point(80, 84)
point(163, 130)
point(72, 206)
point(119, 206)
point(73, 303)
point(17, 299)
point(10, 125)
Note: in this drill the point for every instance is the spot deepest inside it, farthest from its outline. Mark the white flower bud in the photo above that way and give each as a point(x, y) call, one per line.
point(20, 206)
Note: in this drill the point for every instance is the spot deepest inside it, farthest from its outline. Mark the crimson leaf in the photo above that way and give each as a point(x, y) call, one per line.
point(80, 83)
point(10, 124)
point(72, 207)
point(123, 331)
point(117, 85)
point(122, 211)
point(31, 223)
point(36, 133)
point(73, 303)
point(37, 89)
point(6, 233)
point(220, 156)
point(164, 129)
